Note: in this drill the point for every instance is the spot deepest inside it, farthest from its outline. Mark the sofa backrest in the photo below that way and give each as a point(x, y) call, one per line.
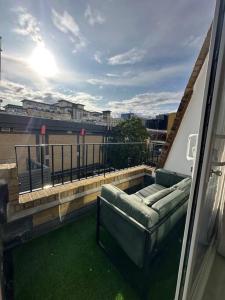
point(184, 185)
point(167, 203)
point(151, 199)
point(130, 205)
point(167, 178)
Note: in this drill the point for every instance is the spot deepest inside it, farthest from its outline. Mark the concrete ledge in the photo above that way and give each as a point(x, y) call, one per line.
point(55, 204)
point(84, 191)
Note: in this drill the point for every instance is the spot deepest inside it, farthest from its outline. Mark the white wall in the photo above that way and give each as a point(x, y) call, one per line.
point(176, 160)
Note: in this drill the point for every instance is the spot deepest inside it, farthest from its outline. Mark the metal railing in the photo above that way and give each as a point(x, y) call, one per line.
point(44, 165)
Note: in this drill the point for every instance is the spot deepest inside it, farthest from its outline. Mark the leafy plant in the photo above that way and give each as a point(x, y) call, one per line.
point(129, 131)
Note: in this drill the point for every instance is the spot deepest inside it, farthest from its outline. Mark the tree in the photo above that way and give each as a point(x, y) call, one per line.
point(128, 131)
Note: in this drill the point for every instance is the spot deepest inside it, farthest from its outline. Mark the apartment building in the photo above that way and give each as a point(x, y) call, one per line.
point(61, 110)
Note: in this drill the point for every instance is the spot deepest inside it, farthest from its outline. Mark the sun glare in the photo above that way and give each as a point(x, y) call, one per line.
point(42, 61)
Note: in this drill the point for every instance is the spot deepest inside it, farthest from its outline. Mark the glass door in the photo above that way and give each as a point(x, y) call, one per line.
point(207, 190)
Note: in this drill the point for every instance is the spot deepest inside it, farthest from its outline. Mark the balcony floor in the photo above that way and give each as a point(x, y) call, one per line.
point(68, 264)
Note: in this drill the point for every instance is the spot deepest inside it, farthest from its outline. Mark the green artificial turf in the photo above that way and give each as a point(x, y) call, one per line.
point(68, 264)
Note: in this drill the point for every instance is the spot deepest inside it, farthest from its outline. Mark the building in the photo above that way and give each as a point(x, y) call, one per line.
point(17, 109)
point(24, 130)
point(160, 126)
point(61, 110)
point(159, 122)
point(127, 116)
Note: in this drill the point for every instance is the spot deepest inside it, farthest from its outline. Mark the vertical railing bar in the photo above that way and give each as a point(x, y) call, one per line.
point(114, 165)
point(108, 158)
point(71, 163)
point(104, 158)
point(93, 159)
point(99, 158)
point(17, 166)
point(42, 167)
point(86, 159)
point(29, 167)
point(78, 161)
point(158, 156)
point(152, 153)
point(53, 168)
point(83, 159)
point(62, 161)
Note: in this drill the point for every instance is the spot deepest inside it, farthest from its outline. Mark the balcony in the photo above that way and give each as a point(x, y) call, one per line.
point(50, 224)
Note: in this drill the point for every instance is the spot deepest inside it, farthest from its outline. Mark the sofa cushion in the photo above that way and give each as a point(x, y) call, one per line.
point(149, 190)
point(167, 178)
point(150, 200)
point(184, 185)
point(166, 204)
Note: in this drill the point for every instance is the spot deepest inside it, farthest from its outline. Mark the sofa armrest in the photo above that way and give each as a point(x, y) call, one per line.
point(131, 205)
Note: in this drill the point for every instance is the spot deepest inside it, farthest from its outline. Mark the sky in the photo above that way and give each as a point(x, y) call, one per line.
point(122, 55)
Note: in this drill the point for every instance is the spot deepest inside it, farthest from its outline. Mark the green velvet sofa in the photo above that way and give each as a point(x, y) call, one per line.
point(141, 222)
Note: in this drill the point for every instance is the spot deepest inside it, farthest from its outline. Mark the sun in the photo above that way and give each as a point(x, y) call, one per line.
point(43, 62)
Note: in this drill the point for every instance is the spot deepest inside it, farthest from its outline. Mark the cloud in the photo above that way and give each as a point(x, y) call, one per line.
point(13, 93)
point(193, 41)
point(93, 16)
point(112, 75)
point(130, 57)
point(67, 24)
point(27, 25)
point(141, 78)
point(147, 104)
point(97, 57)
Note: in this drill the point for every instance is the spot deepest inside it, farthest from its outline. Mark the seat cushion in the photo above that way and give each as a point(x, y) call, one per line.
point(149, 190)
point(166, 204)
point(150, 200)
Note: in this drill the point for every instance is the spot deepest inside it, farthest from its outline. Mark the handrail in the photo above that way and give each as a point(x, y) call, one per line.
point(81, 144)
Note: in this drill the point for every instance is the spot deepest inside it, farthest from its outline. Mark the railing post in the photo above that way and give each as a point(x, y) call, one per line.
point(104, 158)
point(78, 161)
point(86, 159)
point(152, 152)
point(53, 169)
point(29, 168)
point(17, 166)
point(42, 167)
point(99, 158)
point(62, 167)
point(93, 159)
point(71, 163)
